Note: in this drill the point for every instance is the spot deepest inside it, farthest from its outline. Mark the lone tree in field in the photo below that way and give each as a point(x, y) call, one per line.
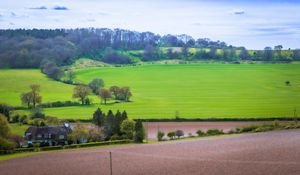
point(288, 83)
point(33, 97)
point(35, 91)
point(96, 84)
point(81, 92)
point(104, 94)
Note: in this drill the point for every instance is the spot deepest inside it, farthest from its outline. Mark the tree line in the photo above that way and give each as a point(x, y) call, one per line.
point(32, 48)
point(33, 98)
point(49, 49)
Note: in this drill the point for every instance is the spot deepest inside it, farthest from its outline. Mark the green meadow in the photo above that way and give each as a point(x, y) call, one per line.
point(193, 90)
point(16, 81)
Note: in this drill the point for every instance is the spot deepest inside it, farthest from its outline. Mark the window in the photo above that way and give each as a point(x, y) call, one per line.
point(39, 136)
point(61, 136)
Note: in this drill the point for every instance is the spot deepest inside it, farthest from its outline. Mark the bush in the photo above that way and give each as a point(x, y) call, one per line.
point(160, 135)
point(37, 114)
point(115, 58)
point(23, 119)
point(251, 128)
point(50, 148)
point(6, 144)
point(97, 144)
point(15, 118)
point(171, 135)
point(214, 132)
point(21, 150)
point(264, 129)
point(59, 104)
point(179, 133)
point(117, 137)
point(200, 133)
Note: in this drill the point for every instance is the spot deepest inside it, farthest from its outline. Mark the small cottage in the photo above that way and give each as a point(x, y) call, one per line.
point(48, 135)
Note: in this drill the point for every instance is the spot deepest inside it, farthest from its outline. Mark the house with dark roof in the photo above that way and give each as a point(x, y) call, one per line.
point(48, 135)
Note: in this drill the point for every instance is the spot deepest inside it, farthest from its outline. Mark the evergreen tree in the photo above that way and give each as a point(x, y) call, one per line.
point(99, 118)
point(124, 115)
point(109, 123)
point(139, 132)
point(117, 123)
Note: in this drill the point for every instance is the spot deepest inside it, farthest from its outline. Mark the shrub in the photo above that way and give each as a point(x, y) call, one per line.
point(6, 144)
point(200, 133)
point(20, 150)
point(248, 128)
point(50, 148)
point(263, 129)
point(171, 134)
point(37, 114)
point(160, 135)
point(214, 132)
point(15, 118)
point(179, 133)
point(116, 137)
point(96, 144)
point(23, 119)
point(59, 104)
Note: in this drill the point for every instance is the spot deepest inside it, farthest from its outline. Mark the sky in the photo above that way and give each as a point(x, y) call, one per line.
point(253, 24)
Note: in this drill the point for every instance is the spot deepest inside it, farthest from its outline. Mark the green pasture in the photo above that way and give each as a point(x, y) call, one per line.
point(13, 82)
point(194, 90)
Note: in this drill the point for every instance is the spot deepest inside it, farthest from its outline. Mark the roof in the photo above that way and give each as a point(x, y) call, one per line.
point(34, 130)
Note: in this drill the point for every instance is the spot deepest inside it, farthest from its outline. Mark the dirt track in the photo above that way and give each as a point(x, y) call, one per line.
point(260, 153)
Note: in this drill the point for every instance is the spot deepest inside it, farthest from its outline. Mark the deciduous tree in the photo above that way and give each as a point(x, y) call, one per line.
point(104, 94)
point(96, 84)
point(81, 92)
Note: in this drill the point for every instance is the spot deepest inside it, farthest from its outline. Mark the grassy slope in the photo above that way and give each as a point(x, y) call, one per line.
point(14, 82)
point(18, 129)
point(195, 90)
point(203, 90)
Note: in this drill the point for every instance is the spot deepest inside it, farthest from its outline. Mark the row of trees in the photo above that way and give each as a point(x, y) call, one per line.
point(223, 54)
point(33, 97)
point(83, 91)
point(30, 48)
point(118, 126)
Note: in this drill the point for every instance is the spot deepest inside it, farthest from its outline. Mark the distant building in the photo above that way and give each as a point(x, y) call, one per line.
point(48, 135)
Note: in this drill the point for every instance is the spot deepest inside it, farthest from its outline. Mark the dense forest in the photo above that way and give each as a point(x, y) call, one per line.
point(24, 48)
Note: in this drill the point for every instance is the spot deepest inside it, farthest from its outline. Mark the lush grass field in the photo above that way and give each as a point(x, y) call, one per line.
point(198, 90)
point(194, 90)
point(14, 82)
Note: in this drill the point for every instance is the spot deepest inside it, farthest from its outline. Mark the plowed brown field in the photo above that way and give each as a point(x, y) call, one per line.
point(268, 153)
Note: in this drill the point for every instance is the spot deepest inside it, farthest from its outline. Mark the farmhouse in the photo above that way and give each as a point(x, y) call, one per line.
point(48, 135)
